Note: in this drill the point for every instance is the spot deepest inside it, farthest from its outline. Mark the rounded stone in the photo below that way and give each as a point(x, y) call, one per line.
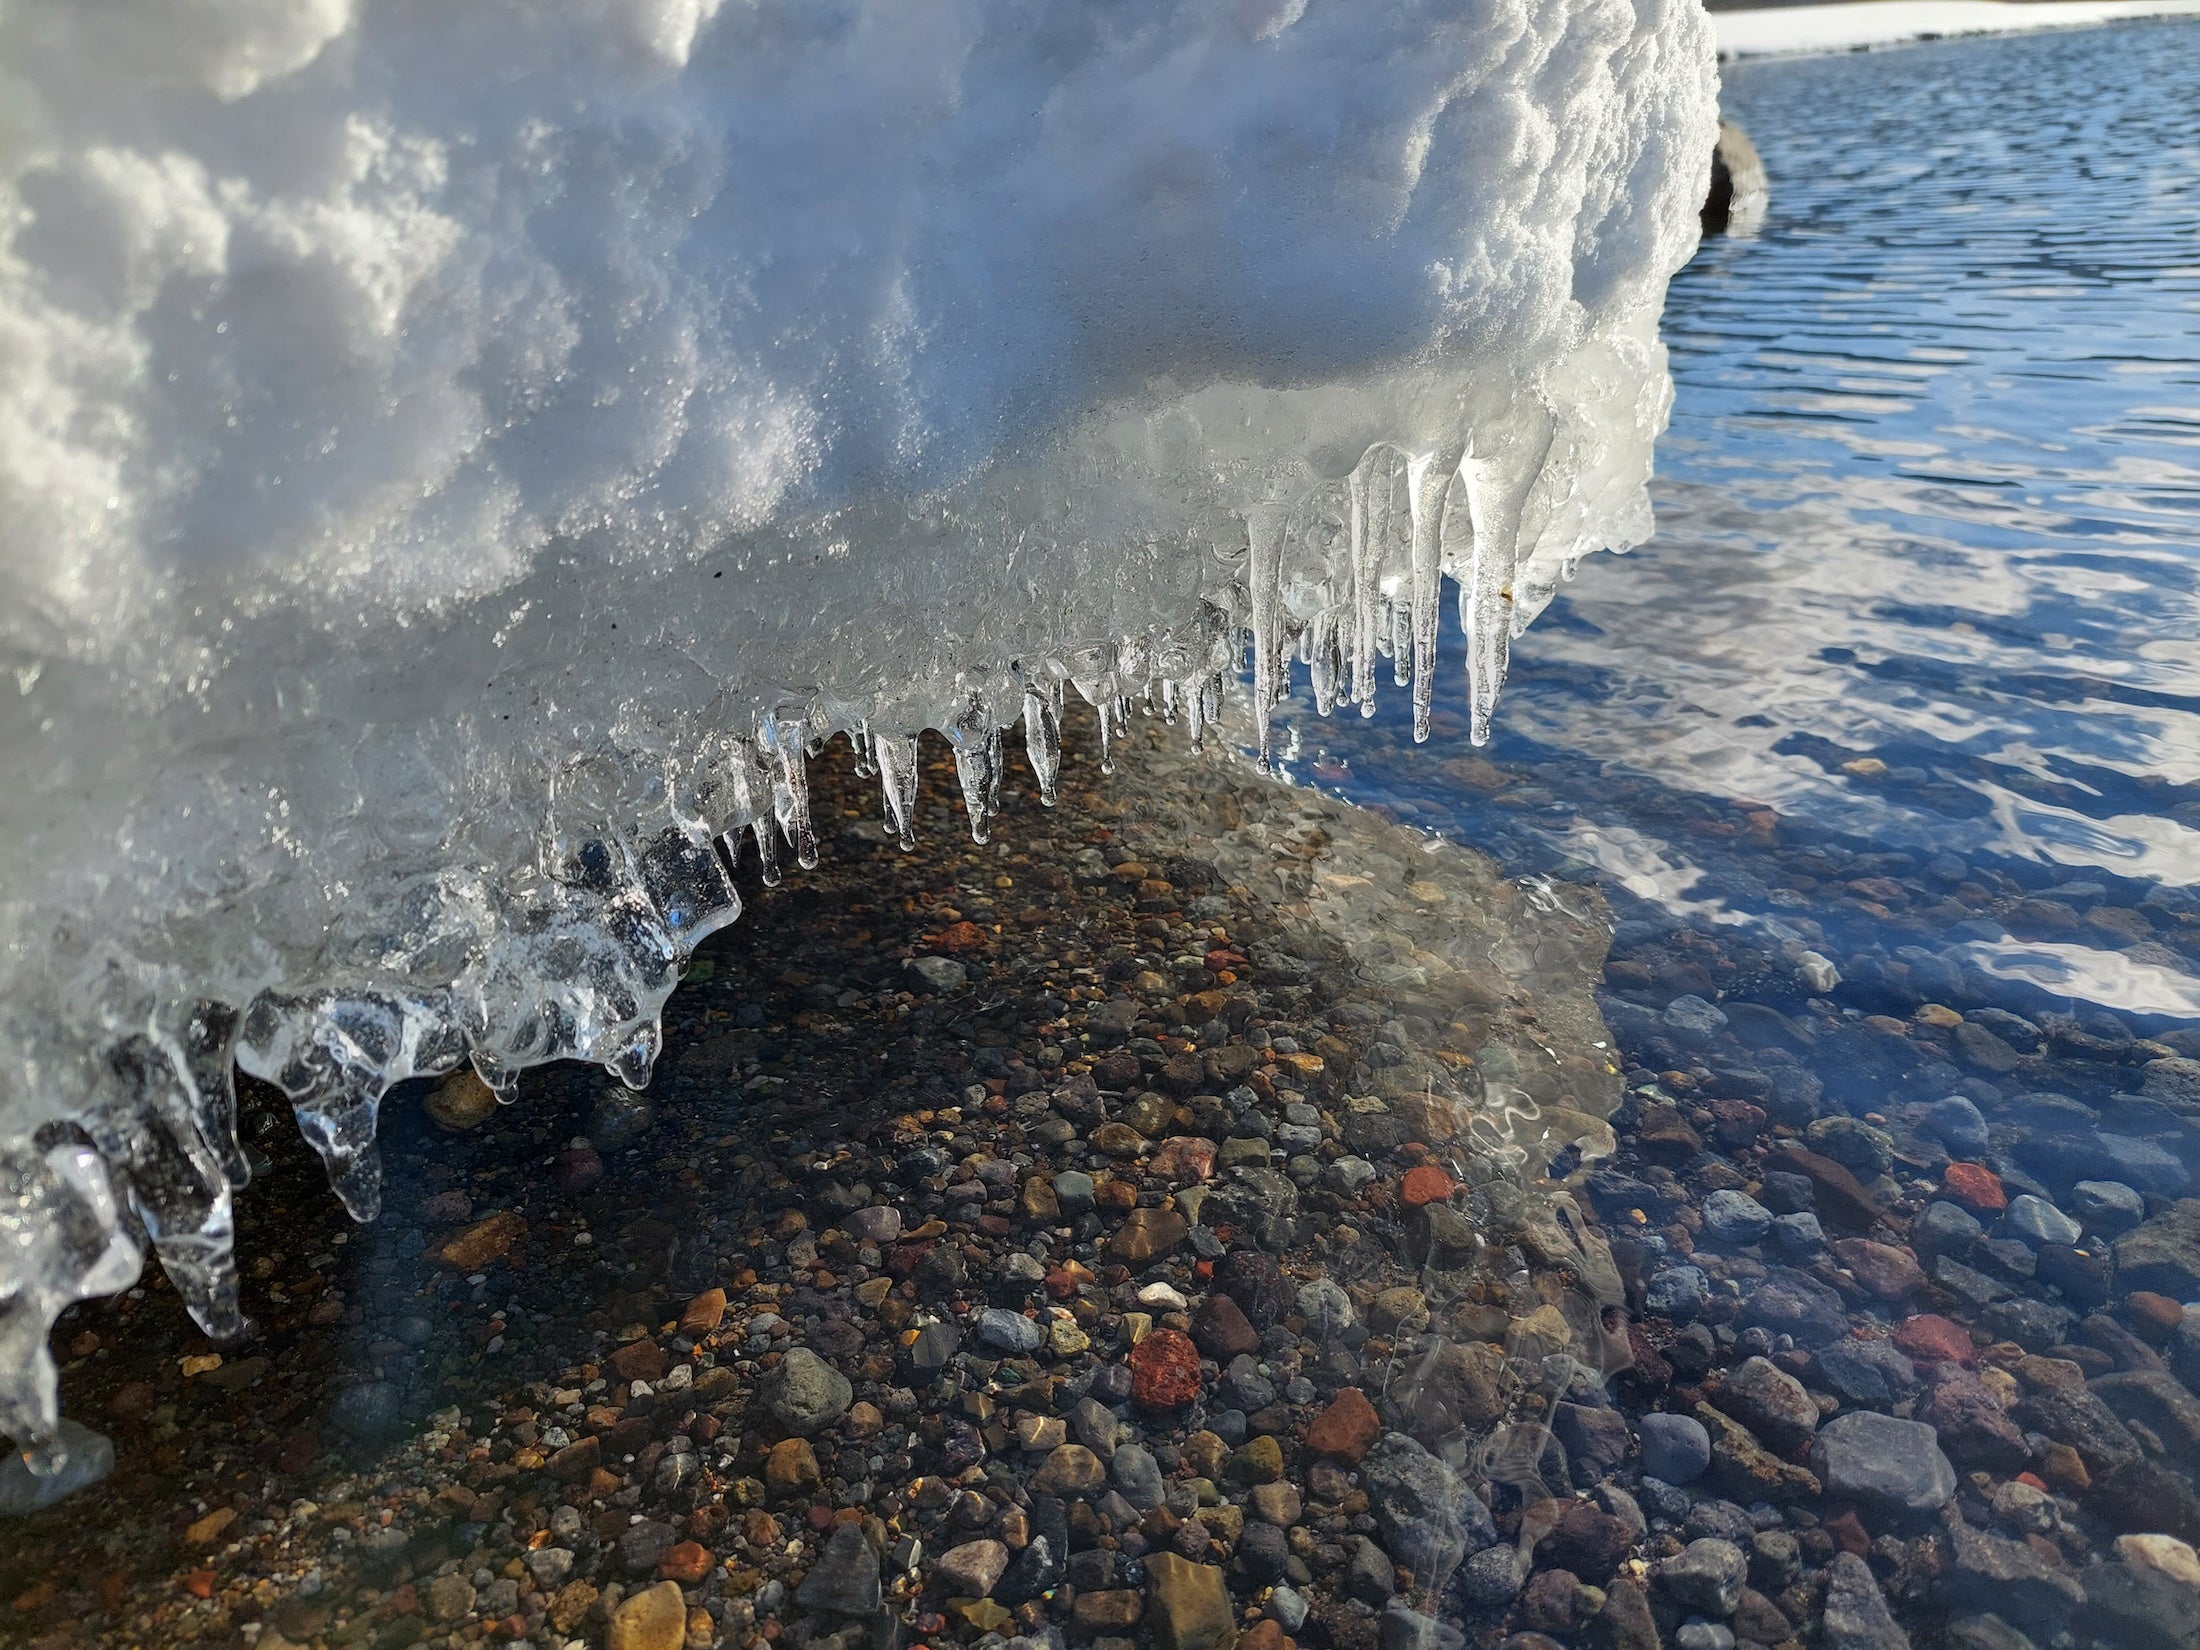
point(1675, 1448)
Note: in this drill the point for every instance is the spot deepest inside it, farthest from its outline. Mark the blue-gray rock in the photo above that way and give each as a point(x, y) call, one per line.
point(1326, 1308)
point(1956, 1123)
point(2033, 1324)
point(1138, 1476)
point(2108, 1207)
point(1666, 1503)
point(1945, 1229)
point(1857, 1146)
point(1401, 1627)
point(1788, 1302)
point(1872, 1373)
point(1596, 1440)
point(1798, 1236)
point(619, 1118)
point(2141, 1163)
point(1704, 1635)
point(1428, 1518)
point(1288, 1609)
point(1678, 1292)
point(88, 1457)
point(1983, 1571)
point(1009, 1332)
point(1735, 1219)
point(1370, 1577)
point(845, 1578)
point(1693, 1021)
point(937, 974)
point(1075, 1192)
point(1706, 1576)
point(367, 1411)
point(806, 1393)
point(2037, 1222)
point(1675, 1448)
point(2163, 1254)
point(1890, 1465)
point(1855, 1614)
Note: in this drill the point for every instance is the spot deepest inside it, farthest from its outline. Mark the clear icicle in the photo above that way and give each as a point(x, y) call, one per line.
point(791, 788)
point(897, 777)
point(1365, 572)
point(1264, 528)
point(634, 1061)
point(1428, 475)
point(767, 850)
point(209, 1064)
point(1043, 742)
point(1498, 484)
point(146, 1130)
point(976, 741)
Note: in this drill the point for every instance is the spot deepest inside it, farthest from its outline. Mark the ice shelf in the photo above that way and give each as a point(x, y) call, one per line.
point(457, 465)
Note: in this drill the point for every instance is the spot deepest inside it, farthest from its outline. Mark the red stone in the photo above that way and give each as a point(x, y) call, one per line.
point(1977, 1188)
point(961, 938)
point(1164, 1370)
point(1931, 1339)
point(1849, 1534)
point(639, 1361)
point(1427, 1184)
point(687, 1563)
point(1347, 1429)
point(2155, 1317)
point(1265, 1635)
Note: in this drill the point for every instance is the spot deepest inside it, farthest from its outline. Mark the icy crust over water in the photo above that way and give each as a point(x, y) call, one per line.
point(457, 464)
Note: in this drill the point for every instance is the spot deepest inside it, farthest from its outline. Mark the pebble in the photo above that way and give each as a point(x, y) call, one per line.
point(1883, 1462)
point(1675, 1448)
point(806, 1393)
point(2038, 1222)
point(1706, 1576)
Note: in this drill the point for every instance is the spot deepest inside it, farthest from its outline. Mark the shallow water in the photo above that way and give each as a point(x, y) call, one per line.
point(1925, 581)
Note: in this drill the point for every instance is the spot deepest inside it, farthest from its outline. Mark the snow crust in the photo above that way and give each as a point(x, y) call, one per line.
point(457, 461)
point(1783, 31)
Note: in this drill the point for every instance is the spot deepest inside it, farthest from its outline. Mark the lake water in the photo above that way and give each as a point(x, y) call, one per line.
point(1925, 582)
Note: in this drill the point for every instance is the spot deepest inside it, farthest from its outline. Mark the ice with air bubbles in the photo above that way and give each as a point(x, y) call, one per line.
point(459, 463)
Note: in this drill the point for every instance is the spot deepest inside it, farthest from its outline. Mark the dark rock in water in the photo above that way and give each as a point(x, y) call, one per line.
point(1974, 1430)
point(2145, 1497)
point(2075, 1416)
point(1707, 1576)
point(1625, 1622)
point(1493, 1577)
point(1693, 1021)
point(1788, 1302)
point(1985, 1572)
point(91, 1457)
point(2155, 1400)
point(1735, 1219)
point(1868, 1372)
point(1596, 1441)
point(2082, 1276)
point(2139, 1605)
point(2163, 1254)
point(1770, 1402)
point(1945, 1229)
point(1788, 1194)
point(1892, 1465)
point(2107, 1207)
point(1427, 1516)
point(2034, 1325)
point(1675, 1448)
point(1838, 1196)
point(845, 1578)
point(1855, 1614)
point(1039, 1568)
point(1957, 1123)
point(620, 1118)
point(1589, 1543)
point(367, 1411)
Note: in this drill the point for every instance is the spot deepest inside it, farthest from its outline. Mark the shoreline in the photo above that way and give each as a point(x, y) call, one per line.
point(1863, 25)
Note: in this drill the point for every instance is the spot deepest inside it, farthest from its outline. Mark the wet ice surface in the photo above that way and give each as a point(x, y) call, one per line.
point(1925, 578)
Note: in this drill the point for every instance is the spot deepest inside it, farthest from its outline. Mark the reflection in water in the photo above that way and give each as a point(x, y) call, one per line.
point(1925, 572)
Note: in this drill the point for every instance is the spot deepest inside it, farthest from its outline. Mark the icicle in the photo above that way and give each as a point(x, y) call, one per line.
point(1498, 485)
point(147, 1133)
point(767, 850)
point(689, 889)
point(897, 773)
point(1042, 742)
point(209, 1064)
point(634, 1061)
point(859, 739)
point(791, 789)
point(1427, 477)
point(498, 1078)
point(1264, 525)
point(1401, 644)
point(976, 740)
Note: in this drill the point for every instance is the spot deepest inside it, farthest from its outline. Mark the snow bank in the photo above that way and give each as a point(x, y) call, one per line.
point(1779, 31)
point(457, 461)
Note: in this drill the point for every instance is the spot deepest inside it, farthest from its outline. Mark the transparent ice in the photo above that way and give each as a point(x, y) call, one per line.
point(459, 463)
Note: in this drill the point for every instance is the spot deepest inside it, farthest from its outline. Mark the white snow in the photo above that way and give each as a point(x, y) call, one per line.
point(1781, 31)
point(456, 461)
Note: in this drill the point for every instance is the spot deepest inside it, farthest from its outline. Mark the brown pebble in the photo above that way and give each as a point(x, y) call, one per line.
point(704, 1313)
point(1347, 1429)
point(482, 1242)
point(2154, 1317)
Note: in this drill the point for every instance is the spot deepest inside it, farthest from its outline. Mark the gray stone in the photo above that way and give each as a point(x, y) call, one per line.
point(1945, 1229)
point(1326, 1308)
point(1401, 1627)
point(2155, 1399)
point(1855, 1614)
point(2034, 1325)
point(2163, 1254)
point(1493, 1577)
point(1677, 1292)
point(1956, 1123)
point(90, 1457)
point(1596, 1440)
point(2037, 1222)
point(1009, 1332)
point(938, 974)
point(1706, 1576)
point(1675, 1448)
point(971, 1570)
point(1370, 1577)
point(1986, 1572)
point(2140, 1607)
point(806, 1393)
point(1873, 1373)
point(1428, 1518)
point(1075, 1192)
point(845, 1578)
point(2141, 1163)
point(2108, 1207)
point(1788, 1302)
point(1735, 1219)
point(1693, 1021)
point(1891, 1465)
point(1770, 1402)
point(1798, 1236)
point(1863, 1150)
point(1138, 1476)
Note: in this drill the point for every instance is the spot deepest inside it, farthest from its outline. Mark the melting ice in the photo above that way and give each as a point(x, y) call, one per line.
point(458, 464)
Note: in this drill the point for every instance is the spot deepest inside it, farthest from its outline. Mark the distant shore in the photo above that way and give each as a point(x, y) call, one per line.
point(1787, 29)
